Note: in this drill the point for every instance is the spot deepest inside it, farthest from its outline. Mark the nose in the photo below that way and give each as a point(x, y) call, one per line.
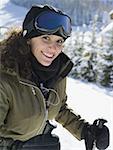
point(53, 46)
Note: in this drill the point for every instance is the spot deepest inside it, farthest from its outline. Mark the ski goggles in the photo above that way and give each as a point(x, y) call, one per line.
point(49, 22)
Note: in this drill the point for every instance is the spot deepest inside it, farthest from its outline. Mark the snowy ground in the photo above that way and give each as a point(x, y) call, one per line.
point(87, 100)
point(91, 104)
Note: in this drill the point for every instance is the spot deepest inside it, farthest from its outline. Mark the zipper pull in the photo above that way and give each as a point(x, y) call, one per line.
point(33, 91)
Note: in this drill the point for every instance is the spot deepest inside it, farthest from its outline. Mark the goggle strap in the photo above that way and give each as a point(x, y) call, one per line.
point(29, 27)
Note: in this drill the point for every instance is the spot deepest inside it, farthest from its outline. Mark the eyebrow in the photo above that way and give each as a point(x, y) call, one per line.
point(60, 38)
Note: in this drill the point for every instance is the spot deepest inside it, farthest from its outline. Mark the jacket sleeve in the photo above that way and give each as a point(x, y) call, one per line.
point(70, 120)
point(4, 103)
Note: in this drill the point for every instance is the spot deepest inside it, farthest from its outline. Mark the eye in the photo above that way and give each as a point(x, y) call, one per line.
point(46, 38)
point(60, 42)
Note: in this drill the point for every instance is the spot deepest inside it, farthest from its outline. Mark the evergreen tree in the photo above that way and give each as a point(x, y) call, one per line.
point(84, 60)
point(105, 63)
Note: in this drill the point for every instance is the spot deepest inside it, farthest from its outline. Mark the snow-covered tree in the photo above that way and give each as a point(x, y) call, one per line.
point(81, 11)
point(105, 63)
point(83, 56)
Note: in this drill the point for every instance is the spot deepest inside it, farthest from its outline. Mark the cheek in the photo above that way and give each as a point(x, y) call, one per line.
point(36, 48)
point(58, 52)
point(35, 51)
point(34, 45)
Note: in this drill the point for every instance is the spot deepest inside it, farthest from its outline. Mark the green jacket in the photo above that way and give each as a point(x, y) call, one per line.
point(23, 111)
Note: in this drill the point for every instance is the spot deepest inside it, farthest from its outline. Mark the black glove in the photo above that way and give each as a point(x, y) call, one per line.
point(97, 133)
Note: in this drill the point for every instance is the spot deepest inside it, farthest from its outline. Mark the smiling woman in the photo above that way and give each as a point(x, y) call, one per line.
point(33, 76)
point(46, 48)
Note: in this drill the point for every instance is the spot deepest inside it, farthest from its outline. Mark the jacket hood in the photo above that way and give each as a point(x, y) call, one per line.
point(15, 57)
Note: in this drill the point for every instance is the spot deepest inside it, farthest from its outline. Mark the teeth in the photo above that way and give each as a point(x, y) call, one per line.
point(48, 55)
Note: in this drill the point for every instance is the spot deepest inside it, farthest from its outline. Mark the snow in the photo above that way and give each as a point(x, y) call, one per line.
point(88, 100)
point(106, 33)
point(91, 103)
point(10, 14)
point(108, 28)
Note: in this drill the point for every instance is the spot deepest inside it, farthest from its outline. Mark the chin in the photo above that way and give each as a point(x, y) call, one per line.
point(46, 64)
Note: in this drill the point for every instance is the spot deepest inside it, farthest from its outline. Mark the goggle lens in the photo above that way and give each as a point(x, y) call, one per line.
point(49, 21)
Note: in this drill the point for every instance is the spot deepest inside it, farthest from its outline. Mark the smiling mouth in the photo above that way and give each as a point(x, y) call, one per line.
point(50, 56)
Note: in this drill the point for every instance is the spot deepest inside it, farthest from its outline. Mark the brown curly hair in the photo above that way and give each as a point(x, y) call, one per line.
point(14, 50)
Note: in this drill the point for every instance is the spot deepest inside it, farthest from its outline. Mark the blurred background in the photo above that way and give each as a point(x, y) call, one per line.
point(81, 11)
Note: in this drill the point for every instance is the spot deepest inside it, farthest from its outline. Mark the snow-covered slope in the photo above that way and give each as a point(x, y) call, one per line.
point(91, 104)
point(86, 99)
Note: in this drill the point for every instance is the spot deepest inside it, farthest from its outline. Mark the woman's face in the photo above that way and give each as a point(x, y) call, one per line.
point(46, 48)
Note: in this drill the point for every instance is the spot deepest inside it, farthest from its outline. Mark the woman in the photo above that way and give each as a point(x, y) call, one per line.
point(33, 85)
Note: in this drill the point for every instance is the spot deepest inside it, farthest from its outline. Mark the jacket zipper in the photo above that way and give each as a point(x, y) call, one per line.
point(34, 93)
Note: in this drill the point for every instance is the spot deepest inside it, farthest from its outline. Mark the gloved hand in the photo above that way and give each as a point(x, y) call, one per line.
point(96, 133)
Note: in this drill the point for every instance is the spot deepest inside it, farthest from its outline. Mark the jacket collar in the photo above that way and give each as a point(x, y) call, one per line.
point(24, 71)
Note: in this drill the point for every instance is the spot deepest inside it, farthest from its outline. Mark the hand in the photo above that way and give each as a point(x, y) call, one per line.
point(102, 134)
point(96, 133)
